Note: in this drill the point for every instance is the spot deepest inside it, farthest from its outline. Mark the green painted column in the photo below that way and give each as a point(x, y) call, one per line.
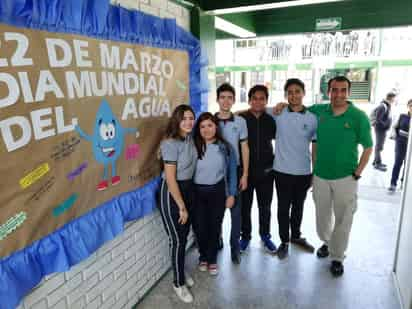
point(203, 27)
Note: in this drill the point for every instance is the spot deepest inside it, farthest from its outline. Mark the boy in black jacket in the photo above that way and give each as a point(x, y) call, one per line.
point(382, 123)
point(261, 131)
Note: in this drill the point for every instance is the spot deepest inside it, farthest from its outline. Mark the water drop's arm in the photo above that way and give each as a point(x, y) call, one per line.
point(82, 134)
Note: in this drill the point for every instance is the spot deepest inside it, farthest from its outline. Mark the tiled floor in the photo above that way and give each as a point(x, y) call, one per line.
point(302, 280)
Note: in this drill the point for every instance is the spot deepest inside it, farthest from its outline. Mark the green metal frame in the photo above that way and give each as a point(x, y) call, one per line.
point(308, 66)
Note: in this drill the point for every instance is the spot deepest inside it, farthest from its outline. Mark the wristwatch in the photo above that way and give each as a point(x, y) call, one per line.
point(356, 177)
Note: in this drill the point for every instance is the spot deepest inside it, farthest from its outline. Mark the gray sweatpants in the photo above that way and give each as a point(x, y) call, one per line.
point(336, 202)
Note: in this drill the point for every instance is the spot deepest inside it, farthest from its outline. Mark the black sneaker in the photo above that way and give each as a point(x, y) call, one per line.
point(220, 244)
point(336, 268)
point(303, 243)
point(236, 257)
point(323, 251)
point(283, 250)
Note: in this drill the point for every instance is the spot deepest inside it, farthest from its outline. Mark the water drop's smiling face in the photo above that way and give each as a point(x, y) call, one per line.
point(108, 135)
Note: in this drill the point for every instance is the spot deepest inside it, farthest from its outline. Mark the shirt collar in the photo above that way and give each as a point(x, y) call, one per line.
point(303, 111)
point(249, 113)
point(231, 118)
point(329, 107)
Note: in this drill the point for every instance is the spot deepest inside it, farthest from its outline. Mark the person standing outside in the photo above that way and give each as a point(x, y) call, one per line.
point(381, 124)
point(401, 135)
point(179, 157)
point(295, 150)
point(215, 188)
point(261, 131)
point(234, 131)
point(341, 128)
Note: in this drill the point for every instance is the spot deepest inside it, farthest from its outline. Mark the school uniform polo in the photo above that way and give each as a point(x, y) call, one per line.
point(294, 133)
point(234, 131)
point(210, 169)
point(182, 153)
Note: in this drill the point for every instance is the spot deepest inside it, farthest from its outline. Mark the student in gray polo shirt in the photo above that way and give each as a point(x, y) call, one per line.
point(179, 157)
point(234, 131)
point(215, 188)
point(295, 133)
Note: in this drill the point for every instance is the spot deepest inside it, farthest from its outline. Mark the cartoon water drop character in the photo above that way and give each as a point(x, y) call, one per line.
point(107, 142)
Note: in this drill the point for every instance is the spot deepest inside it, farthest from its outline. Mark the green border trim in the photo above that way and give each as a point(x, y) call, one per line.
point(261, 68)
point(304, 66)
point(396, 63)
point(309, 66)
point(358, 64)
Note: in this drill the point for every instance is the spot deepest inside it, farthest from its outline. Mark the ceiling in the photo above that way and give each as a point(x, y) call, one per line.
point(211, 5)
point(355, 14)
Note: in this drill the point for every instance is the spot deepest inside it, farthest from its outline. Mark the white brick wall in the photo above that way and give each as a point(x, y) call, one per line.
point(116, 276)
point(160, 8)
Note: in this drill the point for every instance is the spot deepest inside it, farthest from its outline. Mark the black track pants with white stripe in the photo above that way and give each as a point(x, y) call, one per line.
point(177, 232)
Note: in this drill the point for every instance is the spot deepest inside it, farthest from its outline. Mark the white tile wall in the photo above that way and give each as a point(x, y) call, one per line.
point(116, 276)
point(160, 8)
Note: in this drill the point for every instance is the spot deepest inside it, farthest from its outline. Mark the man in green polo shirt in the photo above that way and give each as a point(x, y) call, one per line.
point(341, 128)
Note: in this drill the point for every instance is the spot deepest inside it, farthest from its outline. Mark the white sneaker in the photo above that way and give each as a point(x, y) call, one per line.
point(202, 266)
point(183, 293)
point(213, 270)
point(189, 280)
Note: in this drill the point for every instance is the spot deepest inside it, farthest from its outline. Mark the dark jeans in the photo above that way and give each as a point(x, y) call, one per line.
point(264, 193)
point(380, 141)
point(400, 155)
point(236, 217)
point(208, 215)
point(177, 232)
point(291, 192)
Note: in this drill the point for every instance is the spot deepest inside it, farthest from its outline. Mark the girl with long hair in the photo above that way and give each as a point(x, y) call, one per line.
point(179, 157)
point(215, 188)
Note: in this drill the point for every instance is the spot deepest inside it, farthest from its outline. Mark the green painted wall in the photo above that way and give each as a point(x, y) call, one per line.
point(355, 14)
point(203, 27)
